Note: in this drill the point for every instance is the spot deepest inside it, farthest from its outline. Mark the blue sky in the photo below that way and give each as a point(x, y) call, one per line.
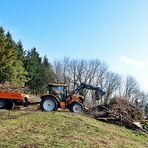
point(115, 31)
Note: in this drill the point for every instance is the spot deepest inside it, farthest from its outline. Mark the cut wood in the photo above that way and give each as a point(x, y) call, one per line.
point(119, 112)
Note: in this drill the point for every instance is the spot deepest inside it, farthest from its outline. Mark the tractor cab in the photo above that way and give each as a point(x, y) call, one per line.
point(58, 90)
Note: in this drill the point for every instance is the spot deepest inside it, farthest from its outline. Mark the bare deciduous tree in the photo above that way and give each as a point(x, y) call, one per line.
point(57, 67)
point(141, 99)
point(112, 83)
point(131, 88)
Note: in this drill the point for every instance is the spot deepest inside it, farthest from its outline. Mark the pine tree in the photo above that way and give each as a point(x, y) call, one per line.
point(18, 73)
point(40, 72)
point(33, 65)
point(11, 68)
point(20, 51)
point(8, 56)
point(48, 74)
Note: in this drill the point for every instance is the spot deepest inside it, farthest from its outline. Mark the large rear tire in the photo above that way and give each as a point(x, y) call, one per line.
point(48, 104)
point(76, 107)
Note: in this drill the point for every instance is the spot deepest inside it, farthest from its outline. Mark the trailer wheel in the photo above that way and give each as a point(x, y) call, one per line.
point(2, 104)
point(76, 107)
point(48, 104)
point(9, 105)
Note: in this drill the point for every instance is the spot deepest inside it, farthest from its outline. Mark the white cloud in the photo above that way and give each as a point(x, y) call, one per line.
point(134, 62)
point(130, 61)
point(137, 69)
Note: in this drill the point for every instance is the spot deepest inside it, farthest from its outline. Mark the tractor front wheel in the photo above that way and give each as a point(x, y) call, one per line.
point(48, 104)
point(76, 107)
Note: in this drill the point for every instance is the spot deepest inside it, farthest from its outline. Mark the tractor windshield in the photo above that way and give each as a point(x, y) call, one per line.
point(58, 91)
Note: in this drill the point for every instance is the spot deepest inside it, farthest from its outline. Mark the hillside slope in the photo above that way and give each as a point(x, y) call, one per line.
point(62, 129)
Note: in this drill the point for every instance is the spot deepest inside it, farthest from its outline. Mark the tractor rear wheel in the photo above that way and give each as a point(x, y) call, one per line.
point(76, 107)
point(48, 104)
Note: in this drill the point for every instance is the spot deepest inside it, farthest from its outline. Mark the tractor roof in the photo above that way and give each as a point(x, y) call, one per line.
point(56, 84)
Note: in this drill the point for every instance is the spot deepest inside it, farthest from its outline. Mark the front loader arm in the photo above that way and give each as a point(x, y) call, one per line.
point(98, 92)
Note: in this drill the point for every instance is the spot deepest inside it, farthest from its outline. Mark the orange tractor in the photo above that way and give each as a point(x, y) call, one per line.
point(57, 97)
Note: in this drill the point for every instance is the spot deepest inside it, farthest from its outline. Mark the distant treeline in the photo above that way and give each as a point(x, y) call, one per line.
point(27, 68)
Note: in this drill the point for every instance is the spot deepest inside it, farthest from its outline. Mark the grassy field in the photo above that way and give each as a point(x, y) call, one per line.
point(28, 129)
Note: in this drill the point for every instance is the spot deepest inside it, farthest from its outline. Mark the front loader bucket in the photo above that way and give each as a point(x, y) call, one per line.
point(99, 94)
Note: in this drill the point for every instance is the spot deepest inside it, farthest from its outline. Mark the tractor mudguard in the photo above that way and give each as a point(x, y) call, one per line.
point(50, 95)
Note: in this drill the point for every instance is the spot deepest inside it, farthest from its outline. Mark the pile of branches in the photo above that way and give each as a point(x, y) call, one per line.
point(7, 87)
point(119, 111)
point(127, 109)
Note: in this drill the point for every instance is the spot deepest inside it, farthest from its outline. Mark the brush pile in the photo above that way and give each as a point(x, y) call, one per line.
point(126, 109)
point(118, 111)
point(7, 87)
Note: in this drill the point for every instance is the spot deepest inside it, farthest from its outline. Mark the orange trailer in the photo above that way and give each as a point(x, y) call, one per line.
point(9, 99)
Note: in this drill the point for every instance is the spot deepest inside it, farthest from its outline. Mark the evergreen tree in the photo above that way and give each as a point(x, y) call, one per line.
point(11, 68)
point(19, 75)
point(20, 51)
point(33, 65)
point(8, 56)
point(48, 74)
point(40, 72)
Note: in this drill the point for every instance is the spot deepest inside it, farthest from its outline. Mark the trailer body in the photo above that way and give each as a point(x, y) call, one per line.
point(9, 99)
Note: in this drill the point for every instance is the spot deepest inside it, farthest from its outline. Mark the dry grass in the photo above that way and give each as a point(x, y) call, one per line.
point(26, 129)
